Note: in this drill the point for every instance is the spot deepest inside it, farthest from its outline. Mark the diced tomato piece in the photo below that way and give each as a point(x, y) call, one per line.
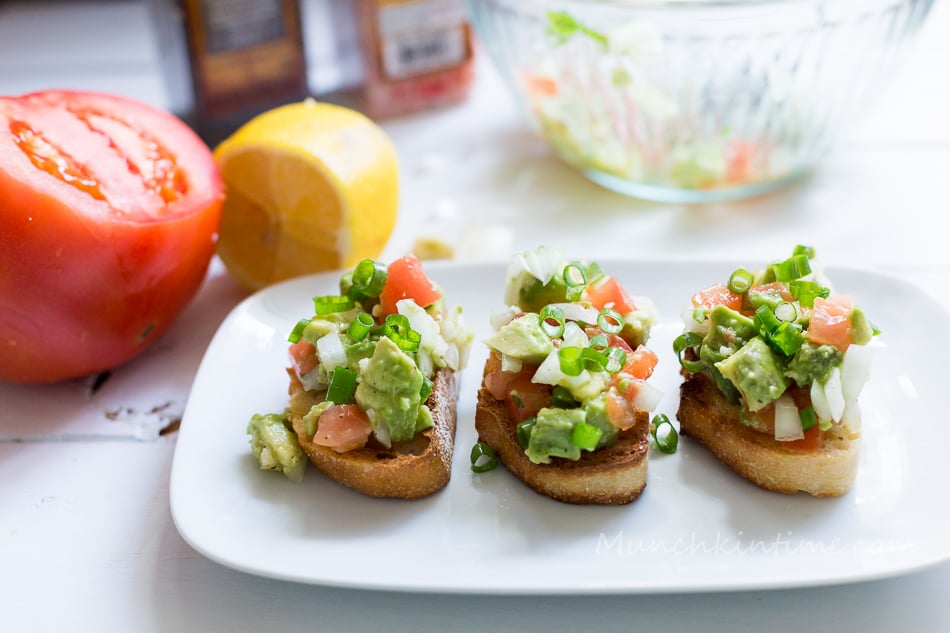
point(718, 295)
point(540, 85)
point(608, 293)
point(343, 427)
point(830, 324)
point(844, 301)
point(809, 444)
point(640, 363)
point(525, 398)
point(777, 287)
point(304, 355)
point(407, 280)
point(621, 413)
point(739, 162)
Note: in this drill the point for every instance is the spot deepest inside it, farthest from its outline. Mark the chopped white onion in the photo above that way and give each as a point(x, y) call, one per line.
point(510, 364)
point(419, 320)
point(500, 319)
point(788, 425)
point(575, 336)
point(819, 402)
point(577, 312)
point(834, 395)
point(852, 416)
point(544, 263)
point(645, 305)
point(855, 370)
point(690, 324)
point(331, 352)
point(648, 397)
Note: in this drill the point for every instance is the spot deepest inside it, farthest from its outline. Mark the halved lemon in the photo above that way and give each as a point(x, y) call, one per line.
point(309, 187)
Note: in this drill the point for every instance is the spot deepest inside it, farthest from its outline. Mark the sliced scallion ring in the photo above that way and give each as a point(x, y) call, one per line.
point(786, 311)
point(297, 333)
point(685, 341)
point(610, 321)
point(740, 281)
point(524, 431)
point(795, 267)
point(562, 399)
point(575, 279)
point(616, 359)
point(593, 360)
point(369, 277)
point(599, 342)
point(551, 320)
point(808, 418)
point(330, 304)
point(397, 328)
point(585, 436)
point(484, 458)
point(360, 326)
point(570, 360)
point(426, 389)
point(668, 440)
point(342, 385)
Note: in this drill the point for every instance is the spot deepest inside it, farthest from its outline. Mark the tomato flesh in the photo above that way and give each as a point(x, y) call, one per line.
point(717, 295)
point(608, 293)
point(109, 212)
point(830, 324)
point(342, 427)
point(304, 355)
point(810, 443)
point(407, 280)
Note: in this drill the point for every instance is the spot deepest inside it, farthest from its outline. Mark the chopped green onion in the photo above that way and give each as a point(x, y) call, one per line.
point(616, 359)
point(740, 281)
point(668, 441)
point(570, 360)
point(683, 342)
point(369, 278)
point(805, 292)
point(765, 320)
point(329, 304)
point(484, 458)
point(562, 399)
point(426, 389)
point(807, 251)
point(788, 338)
point(594, 273)
point(786, 311)
point(361, 326)
point(551, 320)
point(342, 385)
point(297, 333)
point(795, 267)
point(397, 328)
point(524, 431)
point(808, 418)
point(610, 321)
point(875, 330)
point(585, 436)
point(575, 278)
point(593, 360)
point(599, 342)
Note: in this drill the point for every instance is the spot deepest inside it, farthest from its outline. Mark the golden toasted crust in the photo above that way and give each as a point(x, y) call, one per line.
point(709, 418)
point(610, 476)
point(408, 470)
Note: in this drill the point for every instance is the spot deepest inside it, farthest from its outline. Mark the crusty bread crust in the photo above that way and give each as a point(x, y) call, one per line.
point(408, 470)
point(706, 416)
point(610, 476)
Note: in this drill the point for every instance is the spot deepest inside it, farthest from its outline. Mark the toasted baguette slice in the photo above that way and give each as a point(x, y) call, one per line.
point(408, 470)
point(610, 476)
point(705, 415)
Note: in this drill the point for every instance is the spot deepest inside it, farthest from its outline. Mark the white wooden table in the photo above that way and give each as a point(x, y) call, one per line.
point(87, 542)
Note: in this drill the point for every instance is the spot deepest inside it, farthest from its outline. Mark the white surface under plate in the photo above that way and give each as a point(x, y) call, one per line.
point(697, 527)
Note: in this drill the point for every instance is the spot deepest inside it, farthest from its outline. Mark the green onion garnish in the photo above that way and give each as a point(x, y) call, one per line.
point(329, 304)
point(397, 328)
point(342, 385)
point(369, 277)
point(788, 338)
point(610, 321)
point(765, 320)
point(786, 311)
point(484, 458)
point(297, 333)
point(585, 436)
point(807, 251)
point(685, 341)
point(668, 441)
point(795, 267)
point(551, 320)
point(361, 326)
point(562, 399)
point(426, 388)
point(575, 278)
point(740, 281)
point(594, 273)
point(570, 360)
point(599, 342)
point(808, 418)
point(805, 292)
point(524, 431)
point(616, 359)
point(593, 359)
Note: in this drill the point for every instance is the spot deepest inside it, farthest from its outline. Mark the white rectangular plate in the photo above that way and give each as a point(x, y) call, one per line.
point(697, 527)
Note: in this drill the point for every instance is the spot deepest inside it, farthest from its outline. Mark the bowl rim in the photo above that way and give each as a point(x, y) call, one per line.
point(695, 4)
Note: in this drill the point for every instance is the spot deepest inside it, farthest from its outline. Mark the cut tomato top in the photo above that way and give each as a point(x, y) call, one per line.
point(608, 293)
point(717, 295)
point(407, 280)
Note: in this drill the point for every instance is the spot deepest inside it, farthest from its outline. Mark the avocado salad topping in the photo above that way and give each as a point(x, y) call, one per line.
point(568, 357)
point(784, 347)
point(371, 354)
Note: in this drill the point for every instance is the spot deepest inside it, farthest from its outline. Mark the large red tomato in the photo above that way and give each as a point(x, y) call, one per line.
point(109, 213)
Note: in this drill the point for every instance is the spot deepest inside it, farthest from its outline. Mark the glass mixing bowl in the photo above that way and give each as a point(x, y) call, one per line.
point(692, 100)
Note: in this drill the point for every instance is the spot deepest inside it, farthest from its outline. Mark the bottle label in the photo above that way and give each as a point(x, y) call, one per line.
point(422, 36)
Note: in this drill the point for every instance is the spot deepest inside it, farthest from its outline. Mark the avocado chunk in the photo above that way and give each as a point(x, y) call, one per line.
point(813, 363)
point(533, 295)
point(595, 414)
point(275, 445)
point(523, 339)
point(728, 331)
point(551, 435)
point(861, 329)
point(755, 372)
point(389, 392)
point(636, 328)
